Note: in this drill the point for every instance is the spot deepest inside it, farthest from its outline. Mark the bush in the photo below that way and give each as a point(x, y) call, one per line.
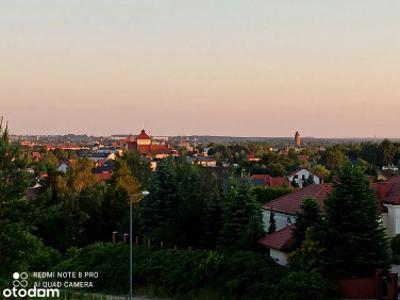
point(178, 272)
point(304, 286)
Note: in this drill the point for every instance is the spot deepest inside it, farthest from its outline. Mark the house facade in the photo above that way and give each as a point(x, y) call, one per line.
point(302, 176)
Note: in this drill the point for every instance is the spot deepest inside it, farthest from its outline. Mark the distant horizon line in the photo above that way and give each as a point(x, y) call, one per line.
point(210, 135)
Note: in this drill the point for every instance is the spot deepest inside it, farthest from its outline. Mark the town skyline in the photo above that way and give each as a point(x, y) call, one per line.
point(135, 131)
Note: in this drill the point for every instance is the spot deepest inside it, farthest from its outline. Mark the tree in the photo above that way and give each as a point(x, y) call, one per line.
point(199, 217)
point(124, 180)
point(334, 158)
point(211, 225)
point(362, 163)
point(272, 223)
point(139, 166)
point(184, 206)
point(352, 233)
point(78, 178)
point(387, 153)
point(18, 246)
point(307, 257)
point(48, 163)
point(242, 219)
point(308, 216)
point(159, 209)
point(395, 247)
point(123, 188)
point(14, 178)
point(321, 171)
point(267, 194)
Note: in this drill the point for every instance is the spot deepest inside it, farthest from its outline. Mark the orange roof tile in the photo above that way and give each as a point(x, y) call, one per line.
point(279, 240)
point(290, 203)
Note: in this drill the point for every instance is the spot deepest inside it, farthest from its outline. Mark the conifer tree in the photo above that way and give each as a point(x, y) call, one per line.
point(242, 219)
point(309, 215)
point(211, 220)
point(17, 244)
point(159, 209)
point(211, 225)
point(352, 237)
point(14, 178)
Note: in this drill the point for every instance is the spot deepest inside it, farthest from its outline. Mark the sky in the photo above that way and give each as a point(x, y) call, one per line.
point(179, 67)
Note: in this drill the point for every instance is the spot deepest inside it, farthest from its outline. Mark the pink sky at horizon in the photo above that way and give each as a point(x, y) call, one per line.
point(326, 68)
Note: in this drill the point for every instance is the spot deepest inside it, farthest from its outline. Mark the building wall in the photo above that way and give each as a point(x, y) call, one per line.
point(392, 220)
point(153, 165)
point(143, 142)
point(279, 256)
point(211, 163)
point(281, 220)
point(63, 168)
point(306, 174)
point(161, 155)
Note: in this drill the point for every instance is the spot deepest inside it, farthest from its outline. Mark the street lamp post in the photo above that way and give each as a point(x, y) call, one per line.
point(144, 193)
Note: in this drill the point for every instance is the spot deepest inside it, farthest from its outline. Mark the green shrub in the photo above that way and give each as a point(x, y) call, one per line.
point(233, 274)
point(304, 286)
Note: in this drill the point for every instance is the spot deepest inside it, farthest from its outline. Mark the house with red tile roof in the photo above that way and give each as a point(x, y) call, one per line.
point(268, 180)
point(286, 207)
point(280, 244)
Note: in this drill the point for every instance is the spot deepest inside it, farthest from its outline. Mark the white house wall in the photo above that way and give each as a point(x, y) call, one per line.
point(279, 256)
point(393, 220)
point(281, 220)
point(306, 174)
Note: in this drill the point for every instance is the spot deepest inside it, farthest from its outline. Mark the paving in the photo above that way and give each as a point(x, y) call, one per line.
point(111, 297)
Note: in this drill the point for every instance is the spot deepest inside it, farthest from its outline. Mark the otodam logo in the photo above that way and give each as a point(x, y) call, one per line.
point(20, 288)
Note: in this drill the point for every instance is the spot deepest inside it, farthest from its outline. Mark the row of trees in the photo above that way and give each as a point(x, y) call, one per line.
point(186, 206)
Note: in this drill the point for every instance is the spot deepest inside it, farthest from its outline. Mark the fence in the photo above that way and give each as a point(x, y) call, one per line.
point(118, 237)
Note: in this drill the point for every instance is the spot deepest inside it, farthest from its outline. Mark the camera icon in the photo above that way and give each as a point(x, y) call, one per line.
point(20, 279)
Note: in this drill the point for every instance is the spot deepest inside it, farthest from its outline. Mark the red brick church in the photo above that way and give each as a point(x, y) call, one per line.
point(144, 144)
